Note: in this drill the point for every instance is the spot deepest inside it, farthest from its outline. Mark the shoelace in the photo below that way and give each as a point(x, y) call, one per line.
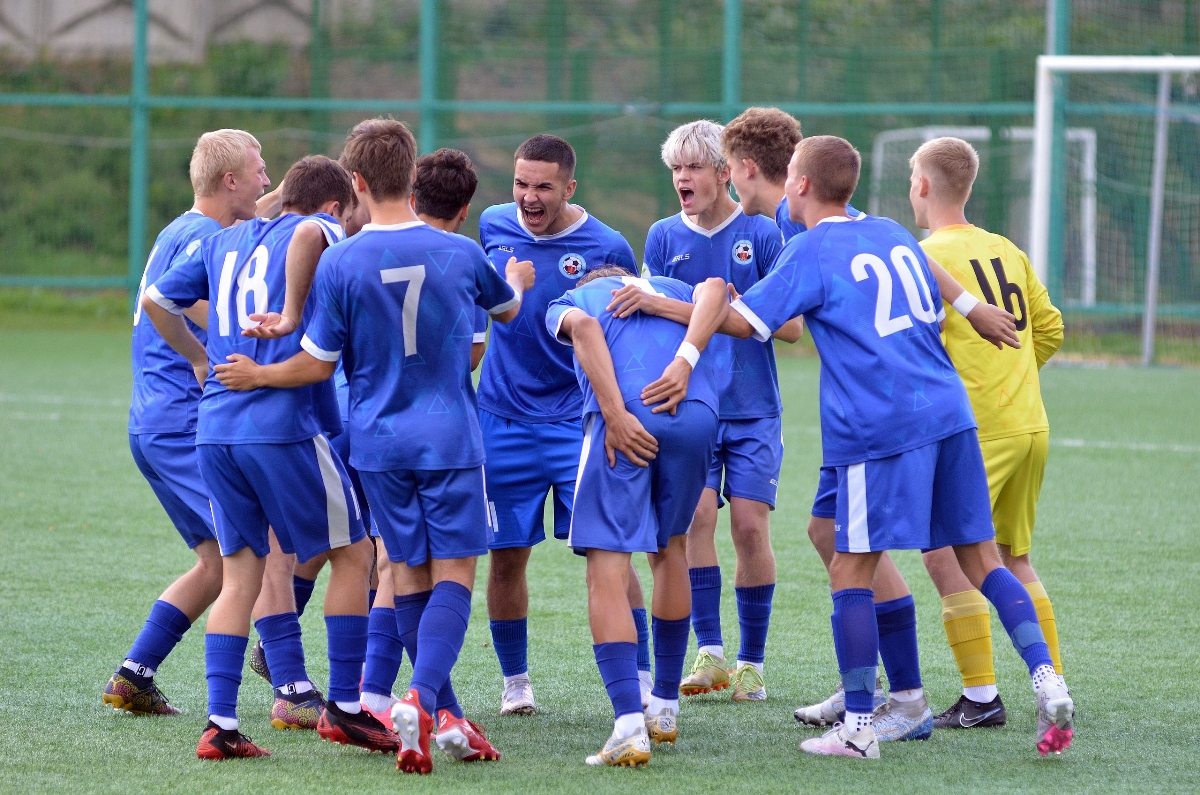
point(703, 661)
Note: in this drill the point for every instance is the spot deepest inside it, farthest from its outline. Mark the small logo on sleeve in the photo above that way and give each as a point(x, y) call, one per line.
point(572, 265)
point(743, 252)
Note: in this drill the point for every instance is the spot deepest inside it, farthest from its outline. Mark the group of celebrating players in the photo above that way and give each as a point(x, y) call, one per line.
point(303, 395)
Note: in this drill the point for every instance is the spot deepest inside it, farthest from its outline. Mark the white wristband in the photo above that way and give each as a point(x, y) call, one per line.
point(965, 303)
point(688, 352)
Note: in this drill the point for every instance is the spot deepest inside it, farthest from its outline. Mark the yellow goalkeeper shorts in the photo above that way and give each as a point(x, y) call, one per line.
point(1015, 467)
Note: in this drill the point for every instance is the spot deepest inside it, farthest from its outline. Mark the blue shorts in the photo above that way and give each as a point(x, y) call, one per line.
point(751, 453)
point(628, 508)
point(825, 503)
point(300, 490)
point(171, 465)
point(340, 444)
point(525, 461)
point(424, 514)
point(932, 497)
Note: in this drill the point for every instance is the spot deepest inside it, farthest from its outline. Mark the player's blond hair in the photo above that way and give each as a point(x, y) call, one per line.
point(951, 165)
point(216, 154)
point(694, 142)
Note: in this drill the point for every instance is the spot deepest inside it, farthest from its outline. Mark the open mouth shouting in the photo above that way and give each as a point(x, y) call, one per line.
point(534, 215)
point(687, 197)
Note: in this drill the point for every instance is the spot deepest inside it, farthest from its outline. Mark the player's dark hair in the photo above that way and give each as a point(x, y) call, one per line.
point(549, 149)
point(768, 136)
point(313, 181)
point(602, 271)
point(832, 165)
point(383, 151)
point(444, 184)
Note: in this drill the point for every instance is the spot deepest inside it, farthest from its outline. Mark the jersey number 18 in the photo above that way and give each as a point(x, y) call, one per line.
point(251, 281)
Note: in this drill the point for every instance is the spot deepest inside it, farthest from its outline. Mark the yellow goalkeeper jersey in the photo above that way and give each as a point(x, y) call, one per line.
point(1003, 385)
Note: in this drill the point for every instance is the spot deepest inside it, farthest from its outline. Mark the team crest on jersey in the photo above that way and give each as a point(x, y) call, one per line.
point(743, 252)
point(572, 265)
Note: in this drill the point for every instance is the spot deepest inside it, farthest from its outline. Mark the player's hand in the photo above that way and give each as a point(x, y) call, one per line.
point(630, 299)
point(521, 272)
point(733, 293)
point(240, 375)
point(201, 371)
point(270, 326)
point(624, 432)
point(671, 387)
point(995, 325)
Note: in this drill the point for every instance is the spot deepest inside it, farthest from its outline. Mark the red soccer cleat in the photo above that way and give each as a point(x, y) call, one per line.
point(217, 743)
point(414, 726)
point(360, 728)
point(464, 740)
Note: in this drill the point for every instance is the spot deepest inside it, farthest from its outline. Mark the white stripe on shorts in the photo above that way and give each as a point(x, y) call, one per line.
point(856, 497)
point(583, 457)
point(337, 512)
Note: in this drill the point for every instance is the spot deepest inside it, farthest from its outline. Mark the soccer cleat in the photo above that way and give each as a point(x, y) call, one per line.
point(662, 728)
point(646, 684)
point(464, 740)
point(140, 698)
point(355, 728)
point(384, 717)
point(748, 684)
point(297, 710)
point(833, 709)
point(896, 721)
point(708, 674)
point(836, 742)
point(258, 661)
point(414, 726)
point(217, 743)
point(1056, 719)
point(518, 698)
point(968, 714)
point(632, 751)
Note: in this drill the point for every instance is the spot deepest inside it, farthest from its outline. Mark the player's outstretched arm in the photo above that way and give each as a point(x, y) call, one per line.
point(243, 374)
point(304, 252)
point(790, 332)
point(994, 324)
point(269, 204)
point(174, 330)
point(520, 277)
point(631, 298)
point(622, 431)
point(709, 311)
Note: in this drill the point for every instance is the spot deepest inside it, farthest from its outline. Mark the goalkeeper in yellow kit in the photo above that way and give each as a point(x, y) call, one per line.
point(1005, 393)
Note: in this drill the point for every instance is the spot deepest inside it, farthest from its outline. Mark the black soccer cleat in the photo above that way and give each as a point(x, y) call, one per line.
point(968, 714)
point(359, 728)
point(258, 661)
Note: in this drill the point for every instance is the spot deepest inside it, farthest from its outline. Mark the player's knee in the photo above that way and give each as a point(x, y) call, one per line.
point(820, 531)
point(508, 565)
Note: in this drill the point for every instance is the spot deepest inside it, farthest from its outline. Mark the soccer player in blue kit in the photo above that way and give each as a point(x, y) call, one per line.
point(650, 426)
point(228, 175)
point(263, 458)
point(414, 433)
point(529, 401)
point(896, 425)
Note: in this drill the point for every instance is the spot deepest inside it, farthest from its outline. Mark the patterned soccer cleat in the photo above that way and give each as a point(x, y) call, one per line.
point(414, 726)
point(833, 709)
point(968, 714)
point(464, 740)
point(518, 698)
point(355, 728)
point(258, 661)
point(836, 742)
point(631, 751)
point(707, 675)
point(297, 710)
point(662, 728)
point(138, 697)
point(748, 684)
point(896, 721)
point(1056, 718)
point(217, 743)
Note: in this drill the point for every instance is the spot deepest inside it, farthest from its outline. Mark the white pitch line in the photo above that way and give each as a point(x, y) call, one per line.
point(1142, 447)
point(64, 400)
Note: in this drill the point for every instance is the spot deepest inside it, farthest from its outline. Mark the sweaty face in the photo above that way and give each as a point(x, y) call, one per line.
point(250, 183)
point(698, 186)
point(540, 190)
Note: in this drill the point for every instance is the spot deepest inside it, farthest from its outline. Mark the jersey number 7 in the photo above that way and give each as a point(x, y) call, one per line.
point(415, 276)
point(908, 268)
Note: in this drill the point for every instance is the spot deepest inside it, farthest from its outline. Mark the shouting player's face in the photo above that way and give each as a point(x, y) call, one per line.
point(541, 191)
point(249, 184)
point(699, 187)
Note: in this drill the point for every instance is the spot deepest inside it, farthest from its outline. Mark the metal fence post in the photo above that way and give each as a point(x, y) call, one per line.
point(1157, 189)
point(731, 65)
point(1058, 42)
point(138, 150)
point(429, 75)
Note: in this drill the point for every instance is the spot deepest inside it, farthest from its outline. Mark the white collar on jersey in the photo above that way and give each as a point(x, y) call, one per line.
point(583, 218)
point(195, 210)
point(710, 232)
point(391, 227)
point(837, 219)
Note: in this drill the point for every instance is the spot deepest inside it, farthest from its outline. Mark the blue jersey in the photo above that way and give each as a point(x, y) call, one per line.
point(397, 305)
point(873, 307)
point(165, 392)
point(641, 345)
point(527, 376)
point(741, 251)
point(791, 228)
point(242, 271)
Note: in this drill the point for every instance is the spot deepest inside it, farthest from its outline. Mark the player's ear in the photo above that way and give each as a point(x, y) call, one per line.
point(570, 191)
point(462, 214)
point(751, 167)
point(229, 180)
point(802, 185)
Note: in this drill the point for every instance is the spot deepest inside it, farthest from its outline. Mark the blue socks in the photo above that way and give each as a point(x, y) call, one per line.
point(670, 647)
point(706, 604)
point(643, 636)
point(511, 641)
point(897, 622)
point(384, 652)
point(856, 640)
point(223, 659)
point(302, 589)
point(440, 637)
point(163, 629)
point(618, 669)
point(754, 617)
point(1017, 614)
point(347, 651)
point(280, 635)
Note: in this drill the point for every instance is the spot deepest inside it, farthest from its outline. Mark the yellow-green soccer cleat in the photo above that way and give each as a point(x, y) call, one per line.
point(708, 674)
point(123, 692)
point(633, 751)
point(662, 728)
point(748, 684)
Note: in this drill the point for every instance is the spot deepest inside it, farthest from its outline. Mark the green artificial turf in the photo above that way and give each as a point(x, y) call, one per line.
point(86, 550)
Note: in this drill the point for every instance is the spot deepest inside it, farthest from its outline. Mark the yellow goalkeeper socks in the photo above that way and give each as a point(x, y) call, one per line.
point(1045, 614)
point(968, 626)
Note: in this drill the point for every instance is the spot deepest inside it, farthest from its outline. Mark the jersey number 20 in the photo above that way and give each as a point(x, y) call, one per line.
point(908, 267)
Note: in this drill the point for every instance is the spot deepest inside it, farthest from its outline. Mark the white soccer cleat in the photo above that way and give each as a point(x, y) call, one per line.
point(633, 751)
point(1056, 716)
point(518, 697)
point(646, 683)
point(837, 742)
point(833, 709)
